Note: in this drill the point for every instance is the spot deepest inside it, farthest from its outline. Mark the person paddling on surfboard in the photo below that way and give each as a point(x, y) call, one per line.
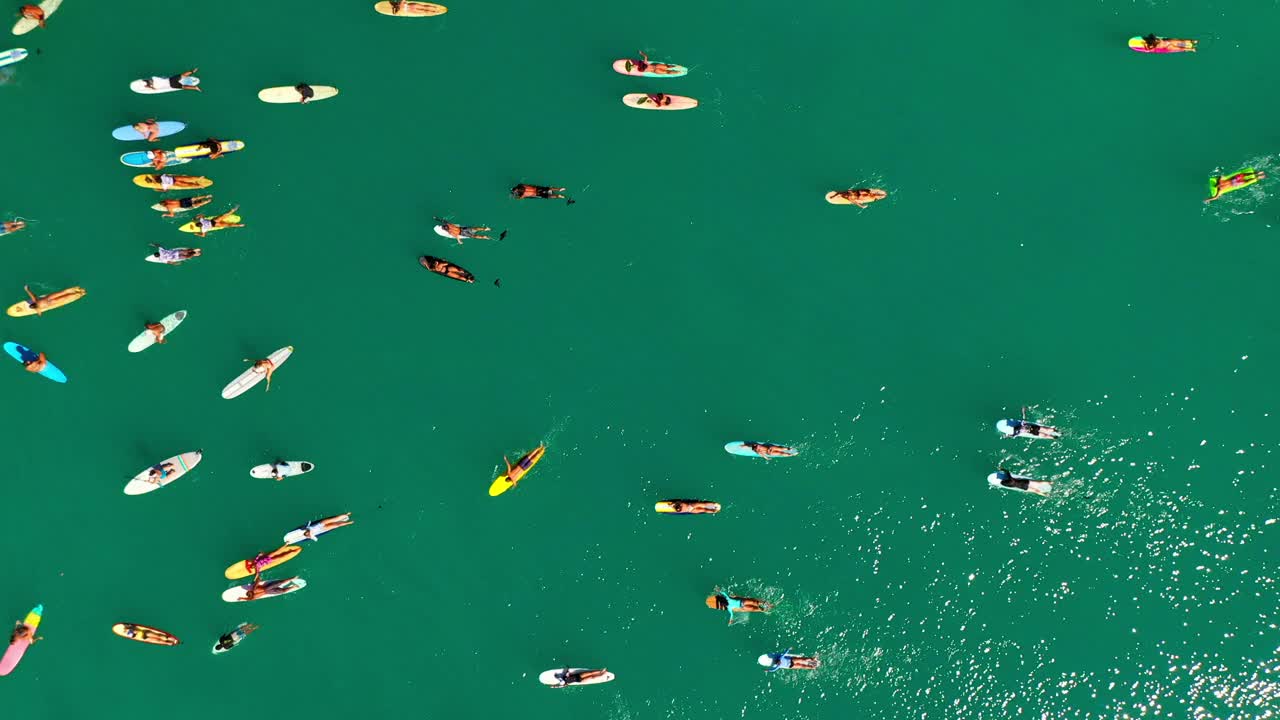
point(768, 450)
point(263, 366)
point(22, 632)
point(233, 638)
point(314, 529)
point(45, 302)
point(178, 82)
point(160, 472)
point(458, 232)
point(159, 159)
point(32, 12)
point(722, 600)
point(1168, 44)
point(861, 196)
point(546, 192)
point(175, 256)
point(214, 146)
point(568, 677)
point(173, 205)
point(149, 129)
point(13, 226)
point(36, 364)
point(158, 331)
point(1224, 184)
point(204, 224)
point(643, 65)
point(787, 661)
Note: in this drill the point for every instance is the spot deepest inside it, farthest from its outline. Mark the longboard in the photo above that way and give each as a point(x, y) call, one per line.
point(192, 226)
point(26, 25)
point(189, 182)
point(626, 66)
point(245, 568)
point(411, 9)
point(16, 55)
point(1137, 44)
point(24, 354)
point(155, 258)
point(146, 338)
point(167, 128)
point(641, 101)
point(195, 151)
point(145, 634)
point(669, 506)
point(549, 678)
point(142, 158)
point(161, 85)
point(251, 377)
point(291, 468)
point(738, 447)
point(430, 263)
point(298, 534)
point(237, 636)
point(289, 94)
point(23, 309)
point(16, 650)
point(142, 484)
point(240, 593)
point(198, 202)
point(525, 464)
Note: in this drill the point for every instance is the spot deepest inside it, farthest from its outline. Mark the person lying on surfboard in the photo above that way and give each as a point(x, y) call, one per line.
point(568, 677)
point(446, 268)
point(158, 331)
point(264, 366)
point(22, 632)
point(259, 589)
point(659, 99)
point(643, 65)
point(175, 256)
point(233, 638)
point(787, 661)
point(862, 196)
point(306, 91)
point(175, 81)
point(214, 147)
point(160, 472)
point(1241, 179)
point(149, 129)
point(722, 600)
point(768, 450)
point(693, 507)
point(44, 302)
point(173, 205)
point(314, 529)
point(1009, 480)
point(458, 232)
point(204, 224)
point(33, 12)
point(522, 191)
point(36, 364)
point(159, 158)
point(1168, 44)
point(14, 226)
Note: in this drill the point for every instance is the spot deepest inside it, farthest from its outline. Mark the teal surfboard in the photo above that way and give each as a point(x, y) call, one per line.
point(24, 354)
point(167, 128)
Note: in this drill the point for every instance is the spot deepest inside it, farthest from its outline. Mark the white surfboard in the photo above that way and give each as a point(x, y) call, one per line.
point(16, 55)
point(288, 468)
point(251, 377)
point(1006, 428)
point(289, 94)
point(142, 483)
point(161, 85)
point(26, 25)
point(1035, 487)
point(240, 592)
point(549, 678)
point(157, 259)
point(146, 338)
point(444, 233)
point(237, 636)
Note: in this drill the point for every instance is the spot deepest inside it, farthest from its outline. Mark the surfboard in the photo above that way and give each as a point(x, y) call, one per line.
point(445, 233)
point(525, 463)
point(142, 158)
point(239, 634)
point(738, 447)
point(1137, 44)
point(278, 557)
point(1035, 487)
point(288, 94)
point(145, 634)
point(411, 9)
point(251, 377)
point(161, 85)
point(16, 650)
point(26, 25)
point(190, 182)
point(198, 202)
point(292, 467)
point(156, 259)
point(549, 678)
point(16, 55)
point(146, 338)
point(24, 354)
point(298, 534)
point(626, 66)
point(641, 101)
point(835, 198)
point(195, 151)
point(192, 227)
point(239, 593)
point(1046, 433)
point(23, 308)
point(167, 128)
point(141, 483)
point(668, 507)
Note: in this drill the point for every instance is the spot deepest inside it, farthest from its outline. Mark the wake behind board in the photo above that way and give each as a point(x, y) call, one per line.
point(167, 128)
point(26, 25)
point(252, 377)
point(146, 338)
point(549, 678)
point(288, 468)
point(142, 483)
point(24, 354)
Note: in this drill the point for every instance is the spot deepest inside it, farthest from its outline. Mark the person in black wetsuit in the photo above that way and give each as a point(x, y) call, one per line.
point(305, 91)
point(1008, 480)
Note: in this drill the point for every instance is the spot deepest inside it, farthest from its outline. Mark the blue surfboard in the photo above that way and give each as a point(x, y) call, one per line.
point(142, 158)
point(9, 57)
point(24, 354)
point(167, 128)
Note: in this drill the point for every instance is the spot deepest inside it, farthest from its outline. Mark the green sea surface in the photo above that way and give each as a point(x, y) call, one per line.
point(1044, 244)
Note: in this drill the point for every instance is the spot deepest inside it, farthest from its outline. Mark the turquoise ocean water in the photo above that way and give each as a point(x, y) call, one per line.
point(1044, 245)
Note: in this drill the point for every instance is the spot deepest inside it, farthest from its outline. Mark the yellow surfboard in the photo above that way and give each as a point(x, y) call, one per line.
point(192, 227)
point(279, 557)
point(182, 182)
point(411, 9)
point(520, 469)
point(23, 309)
